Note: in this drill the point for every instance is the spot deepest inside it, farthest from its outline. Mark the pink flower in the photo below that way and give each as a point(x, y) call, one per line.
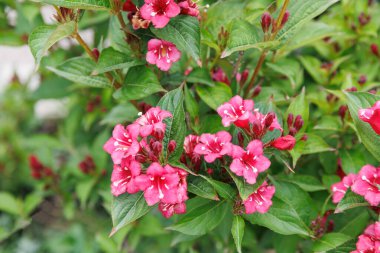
point(367, 184)
point(182, 186)
point(190, 143)
point(214, 146)
point(159, 184)
point(369, 241)
point(260, 200)
point(152, 122)
point(168, 210)
point(372, 116)
point(159, 11)
point(188, 7)
point(220, 76)
point(237, 111)
point(162, 53)
point(123, 177)
point(339, 189)
point(123, 143)
point(249, 163)
point(284, 143)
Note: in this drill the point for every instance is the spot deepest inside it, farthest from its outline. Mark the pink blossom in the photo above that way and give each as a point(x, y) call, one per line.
point(159, 184)
point(220, 76)
point(369, 241)
point(162, 53)
point(152, 121)
point(284, 143)
point(260, 200)
point(188, 7)
point(123, 143)
point(159, 11)
point(339, 189)
point(367, 184)
point(182, 186)
point(123, 177)
point(168, 210)
point(249, 163)
point(214, 146)
point(372, 116)
point(237, 111)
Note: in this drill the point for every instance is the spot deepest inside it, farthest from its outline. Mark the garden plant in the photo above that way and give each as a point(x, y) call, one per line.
point(192, 126)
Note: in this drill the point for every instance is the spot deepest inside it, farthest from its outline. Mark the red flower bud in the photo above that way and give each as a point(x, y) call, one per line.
point(304, 137)
point(210, 171)
point(292, 131)
point(269, 119)
point(290, 120)
point(298, 123)
point(375, 50)
point(342, 111)
point(266, 20)
point(240, 137)
point(362, 80)
point(129, 6)
point(172, 145)
point(364, 19)
point(285, 18)
point(284, 143)
point(256, 91)
point(96, 52)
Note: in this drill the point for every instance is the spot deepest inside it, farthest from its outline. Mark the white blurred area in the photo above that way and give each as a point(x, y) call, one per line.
point(18, 61)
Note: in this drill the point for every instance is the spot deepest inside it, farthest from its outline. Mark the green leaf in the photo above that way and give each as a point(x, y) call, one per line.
point(244, 36)
point(127, 208)
point(330, 241)
point(360, 100)
point(306, 182)
point(224, 190)
point(300, 106)
point(176, 125)
point(111, 59)
point(237, 231)
point(83, 190)
point(78, 70)
point(125, 112)
point(289, 68)
point(349, 201)
point(214, 96)
point(313, 67)
point(9, 204)
point(44, 37)
point(79, 4)
point(202, 219)
point(201, 187)
point(200, 75)
point(245, 189)
point(184, 32)
point(139, 83)
point(302, 12)
point(191, 104)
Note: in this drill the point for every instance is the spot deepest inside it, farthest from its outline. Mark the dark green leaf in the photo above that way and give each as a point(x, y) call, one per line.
point(350, 200)
point(214, 96)
point(237, 231)
point(111, 59)
point(202, 188)
point(330, 241)
point(200, 75)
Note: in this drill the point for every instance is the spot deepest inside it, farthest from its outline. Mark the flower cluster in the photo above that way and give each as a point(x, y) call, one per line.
point(246, 161)
point(38, 170)
point(372, 116)
point(136, 151)
point(369, 241)
point(159, 12)
point(366, 183)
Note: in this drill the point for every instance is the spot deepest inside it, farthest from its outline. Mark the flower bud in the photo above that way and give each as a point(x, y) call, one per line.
point(290, 120)
point(240, 137)
point(256, 91)
point(269, 119)
point(362, 80)
point(285, 18)
point(157, 147)
point(256, 128)
point(292, 131)
point(129, 6)
point(95, 51)
point(342, 111)
point(304, 137)
point(210, 171)
point(266, 20)
point(375, 50)
point(298, 122)
point(352, 89)
point(284, 143)
point(364, 19)
point(172, 145)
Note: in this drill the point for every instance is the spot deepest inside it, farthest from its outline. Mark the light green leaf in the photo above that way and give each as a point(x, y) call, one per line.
point(214, 96)
point(9, 204)
point(79, 4)
point(202, 219)
point(44, 37)
point(330, 241)
point(127, 208)
point(349, 201)
point(184, 32)
point(111, 59)
point(125, 112)
point(139, 83)
point(78, 70)
point(237, 231)
point(200, 75)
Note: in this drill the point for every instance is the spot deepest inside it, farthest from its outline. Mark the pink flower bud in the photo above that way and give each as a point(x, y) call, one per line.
point(172, 145)
point(362, 80)
point(375, 50)
point(285, 18)
point(266, 20)
point(284, 143)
